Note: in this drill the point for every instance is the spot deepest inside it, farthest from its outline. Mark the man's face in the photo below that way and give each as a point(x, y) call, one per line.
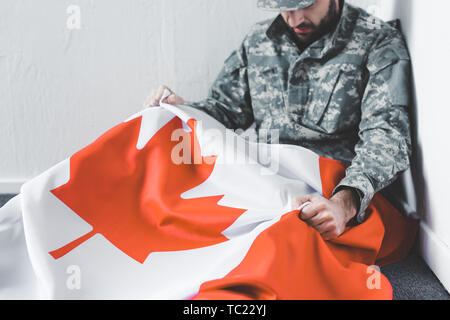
point(311, 23)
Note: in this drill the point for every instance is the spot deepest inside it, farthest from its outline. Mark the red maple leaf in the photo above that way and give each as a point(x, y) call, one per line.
point(132, 197)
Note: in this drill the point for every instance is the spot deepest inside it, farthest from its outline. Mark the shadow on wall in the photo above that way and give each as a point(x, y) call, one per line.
point(403, 9)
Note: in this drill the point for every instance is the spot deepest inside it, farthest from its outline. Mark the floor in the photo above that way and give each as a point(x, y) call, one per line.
point(411, 278)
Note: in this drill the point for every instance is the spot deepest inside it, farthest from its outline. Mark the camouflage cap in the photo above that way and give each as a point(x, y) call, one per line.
point(284, 5)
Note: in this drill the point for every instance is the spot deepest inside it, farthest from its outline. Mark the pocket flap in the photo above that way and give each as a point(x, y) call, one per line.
point(322, 96)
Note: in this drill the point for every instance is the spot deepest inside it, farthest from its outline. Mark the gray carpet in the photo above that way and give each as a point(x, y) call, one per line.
point(411, 278)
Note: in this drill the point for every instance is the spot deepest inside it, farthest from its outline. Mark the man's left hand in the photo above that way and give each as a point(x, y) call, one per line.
point(328, 217)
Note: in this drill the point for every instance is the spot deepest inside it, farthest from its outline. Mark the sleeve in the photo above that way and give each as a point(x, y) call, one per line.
point(384, 146)
point(229, 99)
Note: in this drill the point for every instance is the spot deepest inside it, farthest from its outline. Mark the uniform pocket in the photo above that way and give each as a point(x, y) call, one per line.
point(322, 96)
point(336, 106)
point(266, 89)
point(298, 97)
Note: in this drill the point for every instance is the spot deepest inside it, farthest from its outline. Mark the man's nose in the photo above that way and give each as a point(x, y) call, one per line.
point(295, 18)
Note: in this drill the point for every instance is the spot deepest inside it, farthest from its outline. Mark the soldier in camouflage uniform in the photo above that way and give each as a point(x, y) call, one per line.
point(342, 92)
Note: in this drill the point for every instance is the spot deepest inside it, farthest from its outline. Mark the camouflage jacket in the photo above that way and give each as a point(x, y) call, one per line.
point(345, 97)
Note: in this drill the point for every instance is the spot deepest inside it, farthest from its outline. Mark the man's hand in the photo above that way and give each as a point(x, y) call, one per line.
point(328, 217)
point(156, 95)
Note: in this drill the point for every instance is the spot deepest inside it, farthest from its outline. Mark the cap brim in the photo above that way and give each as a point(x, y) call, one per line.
point(282, 9)
point(268, 8)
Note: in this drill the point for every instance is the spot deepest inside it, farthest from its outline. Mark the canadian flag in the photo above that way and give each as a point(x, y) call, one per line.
point(171, 205)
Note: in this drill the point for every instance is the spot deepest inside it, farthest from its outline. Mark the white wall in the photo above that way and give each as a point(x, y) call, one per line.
point(60, 88)
point(425, 26)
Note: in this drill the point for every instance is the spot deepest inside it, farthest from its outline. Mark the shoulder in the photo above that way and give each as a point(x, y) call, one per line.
point(383, 42)
point(260, 28)
point(258, 32)
point(382, 35)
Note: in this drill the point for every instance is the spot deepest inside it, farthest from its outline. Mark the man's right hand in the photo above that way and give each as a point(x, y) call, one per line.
point(156, 95)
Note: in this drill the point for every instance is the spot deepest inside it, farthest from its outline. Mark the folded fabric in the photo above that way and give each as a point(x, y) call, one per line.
point(171, 205)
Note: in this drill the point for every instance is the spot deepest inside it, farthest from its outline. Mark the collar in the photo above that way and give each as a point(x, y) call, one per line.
point(331, 42)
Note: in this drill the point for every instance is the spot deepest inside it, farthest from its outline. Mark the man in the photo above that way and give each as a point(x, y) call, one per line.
point(331, 78)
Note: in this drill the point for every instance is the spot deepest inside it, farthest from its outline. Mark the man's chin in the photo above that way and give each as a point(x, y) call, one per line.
point(304, 38)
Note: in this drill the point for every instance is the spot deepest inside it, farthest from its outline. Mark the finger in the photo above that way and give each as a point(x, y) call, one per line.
point(153, 100)
point(320, 219)
point(329, 235)
point(312, 210)
point(158, 94)
point(168, 89)
point(300, 201)
point(303, 206)
point(161, 91)
point(329, 231)
point(165, 100)
point(172, 99)
point(325, 227)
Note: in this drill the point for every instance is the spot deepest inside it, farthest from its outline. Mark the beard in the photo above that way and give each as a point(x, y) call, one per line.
point(327, 24)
